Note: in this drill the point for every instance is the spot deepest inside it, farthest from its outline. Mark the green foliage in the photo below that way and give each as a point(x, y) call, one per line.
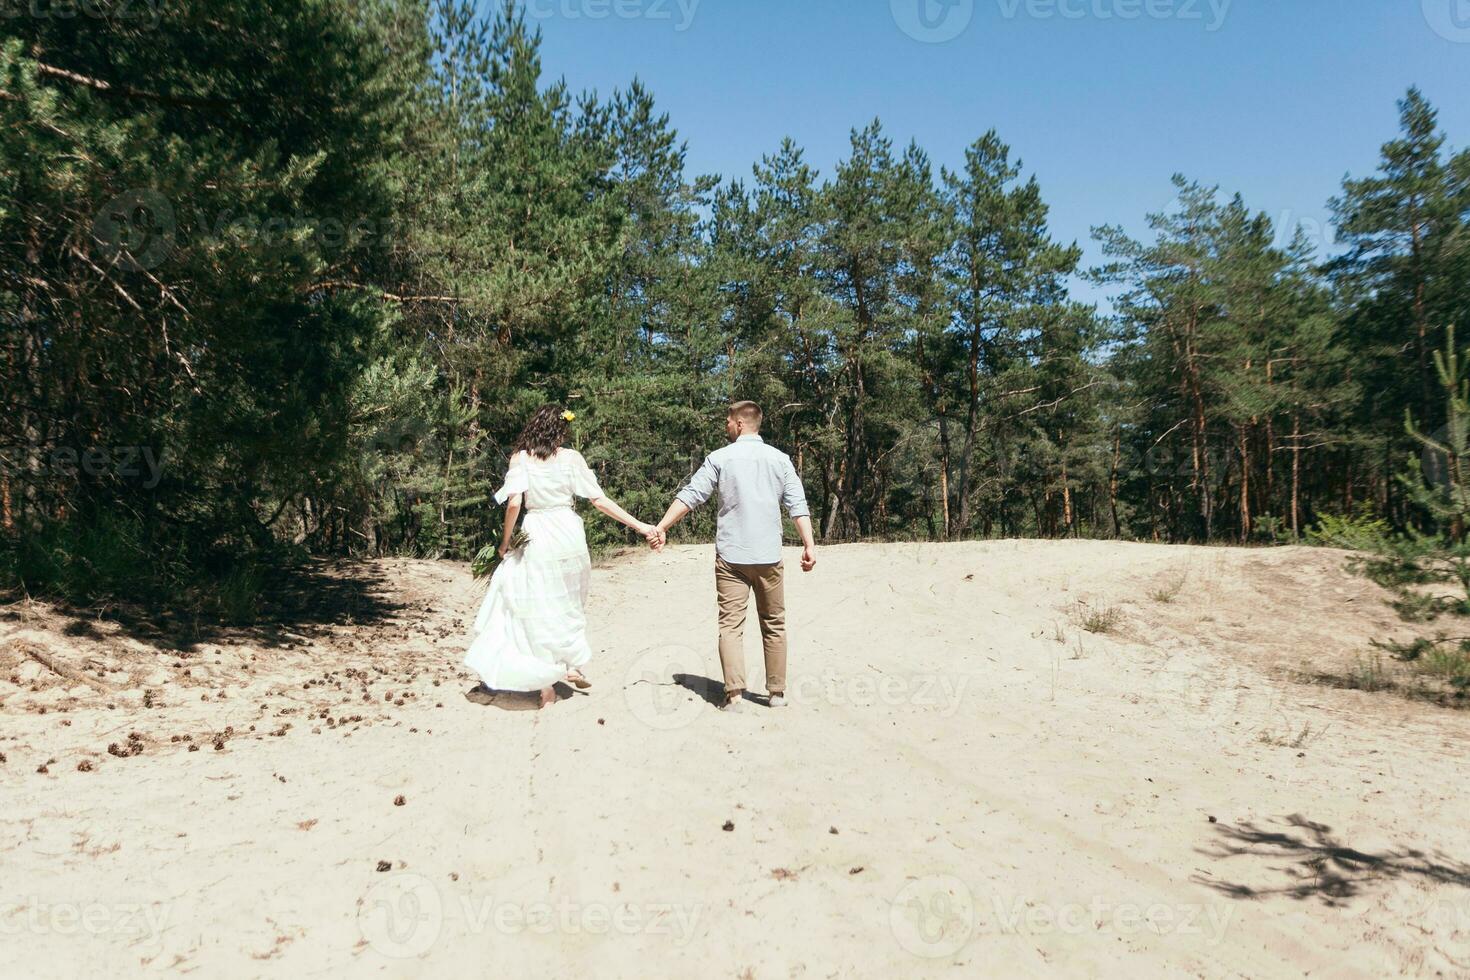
point(1442, 658)
point(1272, 530)
point(99, 559)
point(1357, 532)
point(178, 209)
point(326, 318)
point(1416, 565)
point(486, 560)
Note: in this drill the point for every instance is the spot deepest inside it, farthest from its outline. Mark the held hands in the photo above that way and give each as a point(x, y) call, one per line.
point(655, 536)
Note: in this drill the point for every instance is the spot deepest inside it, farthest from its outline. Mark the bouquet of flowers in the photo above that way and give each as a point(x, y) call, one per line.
point(488, 557)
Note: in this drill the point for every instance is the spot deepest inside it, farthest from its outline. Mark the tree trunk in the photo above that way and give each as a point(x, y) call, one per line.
point(1067, 522)
point(944, 493)
point(1296, 475)
point(1113, 482)
point(944, 476)
point(1243, 441)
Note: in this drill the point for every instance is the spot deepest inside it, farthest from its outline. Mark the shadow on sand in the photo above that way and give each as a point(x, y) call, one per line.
point(711, 690)
point(1314, 864)
point(515, 700)
point(297, 604)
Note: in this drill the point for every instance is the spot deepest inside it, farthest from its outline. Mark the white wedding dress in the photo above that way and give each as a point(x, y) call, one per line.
point(532, 627)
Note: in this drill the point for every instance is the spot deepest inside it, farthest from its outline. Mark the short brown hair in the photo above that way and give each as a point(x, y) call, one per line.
point(748, 412)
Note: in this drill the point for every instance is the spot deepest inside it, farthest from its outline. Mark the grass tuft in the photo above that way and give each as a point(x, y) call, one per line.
point(1102, 619)
point(1170, 589)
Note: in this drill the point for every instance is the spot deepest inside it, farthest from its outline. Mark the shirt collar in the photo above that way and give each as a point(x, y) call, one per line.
point(750, 437)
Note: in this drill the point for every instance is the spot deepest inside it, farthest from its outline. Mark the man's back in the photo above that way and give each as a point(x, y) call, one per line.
point(754, 480)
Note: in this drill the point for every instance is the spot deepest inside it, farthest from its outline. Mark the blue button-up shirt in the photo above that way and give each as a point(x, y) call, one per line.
point(754, 480)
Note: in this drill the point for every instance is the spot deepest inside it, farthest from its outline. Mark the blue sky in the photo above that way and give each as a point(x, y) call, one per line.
point(1102, 99)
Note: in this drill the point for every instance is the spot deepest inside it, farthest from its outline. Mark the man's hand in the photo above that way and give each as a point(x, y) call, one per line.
point(808, 543)
point(656, 538)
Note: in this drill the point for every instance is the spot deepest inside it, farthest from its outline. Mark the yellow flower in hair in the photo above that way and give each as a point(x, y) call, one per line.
point(569, 416)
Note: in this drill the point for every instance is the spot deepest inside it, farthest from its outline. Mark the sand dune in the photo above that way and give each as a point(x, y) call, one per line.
point(967, 782)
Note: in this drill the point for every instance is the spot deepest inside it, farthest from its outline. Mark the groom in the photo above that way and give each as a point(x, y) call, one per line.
point(754, 480)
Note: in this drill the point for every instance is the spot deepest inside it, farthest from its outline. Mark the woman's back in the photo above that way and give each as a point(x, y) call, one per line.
point(554, 482)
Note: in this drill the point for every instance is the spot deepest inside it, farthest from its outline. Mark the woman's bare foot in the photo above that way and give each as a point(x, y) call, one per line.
point(548, 696)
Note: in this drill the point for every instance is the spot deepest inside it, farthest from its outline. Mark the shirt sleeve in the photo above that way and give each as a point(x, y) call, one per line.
point(700, 486)
point(793, 494)
point(516, 480)
point(584, 481)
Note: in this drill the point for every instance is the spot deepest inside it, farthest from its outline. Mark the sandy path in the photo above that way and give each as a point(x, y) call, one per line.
point(966, 783)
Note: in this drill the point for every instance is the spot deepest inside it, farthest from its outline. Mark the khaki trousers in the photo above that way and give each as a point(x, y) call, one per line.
point(733, 584)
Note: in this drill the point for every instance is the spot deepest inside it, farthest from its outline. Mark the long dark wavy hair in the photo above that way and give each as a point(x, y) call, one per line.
point(544, 433)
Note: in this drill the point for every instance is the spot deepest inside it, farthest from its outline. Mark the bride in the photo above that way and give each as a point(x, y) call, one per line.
point(531, 631)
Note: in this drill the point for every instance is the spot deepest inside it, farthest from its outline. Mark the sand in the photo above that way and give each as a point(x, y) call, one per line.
point(966, 782)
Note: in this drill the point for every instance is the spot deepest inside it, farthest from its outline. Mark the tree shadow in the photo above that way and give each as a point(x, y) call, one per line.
point(294, 606)
point(1317, 865)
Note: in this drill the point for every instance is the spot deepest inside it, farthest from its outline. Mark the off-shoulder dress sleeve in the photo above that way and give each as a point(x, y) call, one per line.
point(516, 480)
point(584, 481)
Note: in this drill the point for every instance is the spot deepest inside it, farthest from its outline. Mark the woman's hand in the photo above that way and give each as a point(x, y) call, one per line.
point(504, 549)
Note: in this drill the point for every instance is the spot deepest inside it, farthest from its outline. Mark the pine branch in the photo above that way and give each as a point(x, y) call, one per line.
point(382, 294)
point(127, 91)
